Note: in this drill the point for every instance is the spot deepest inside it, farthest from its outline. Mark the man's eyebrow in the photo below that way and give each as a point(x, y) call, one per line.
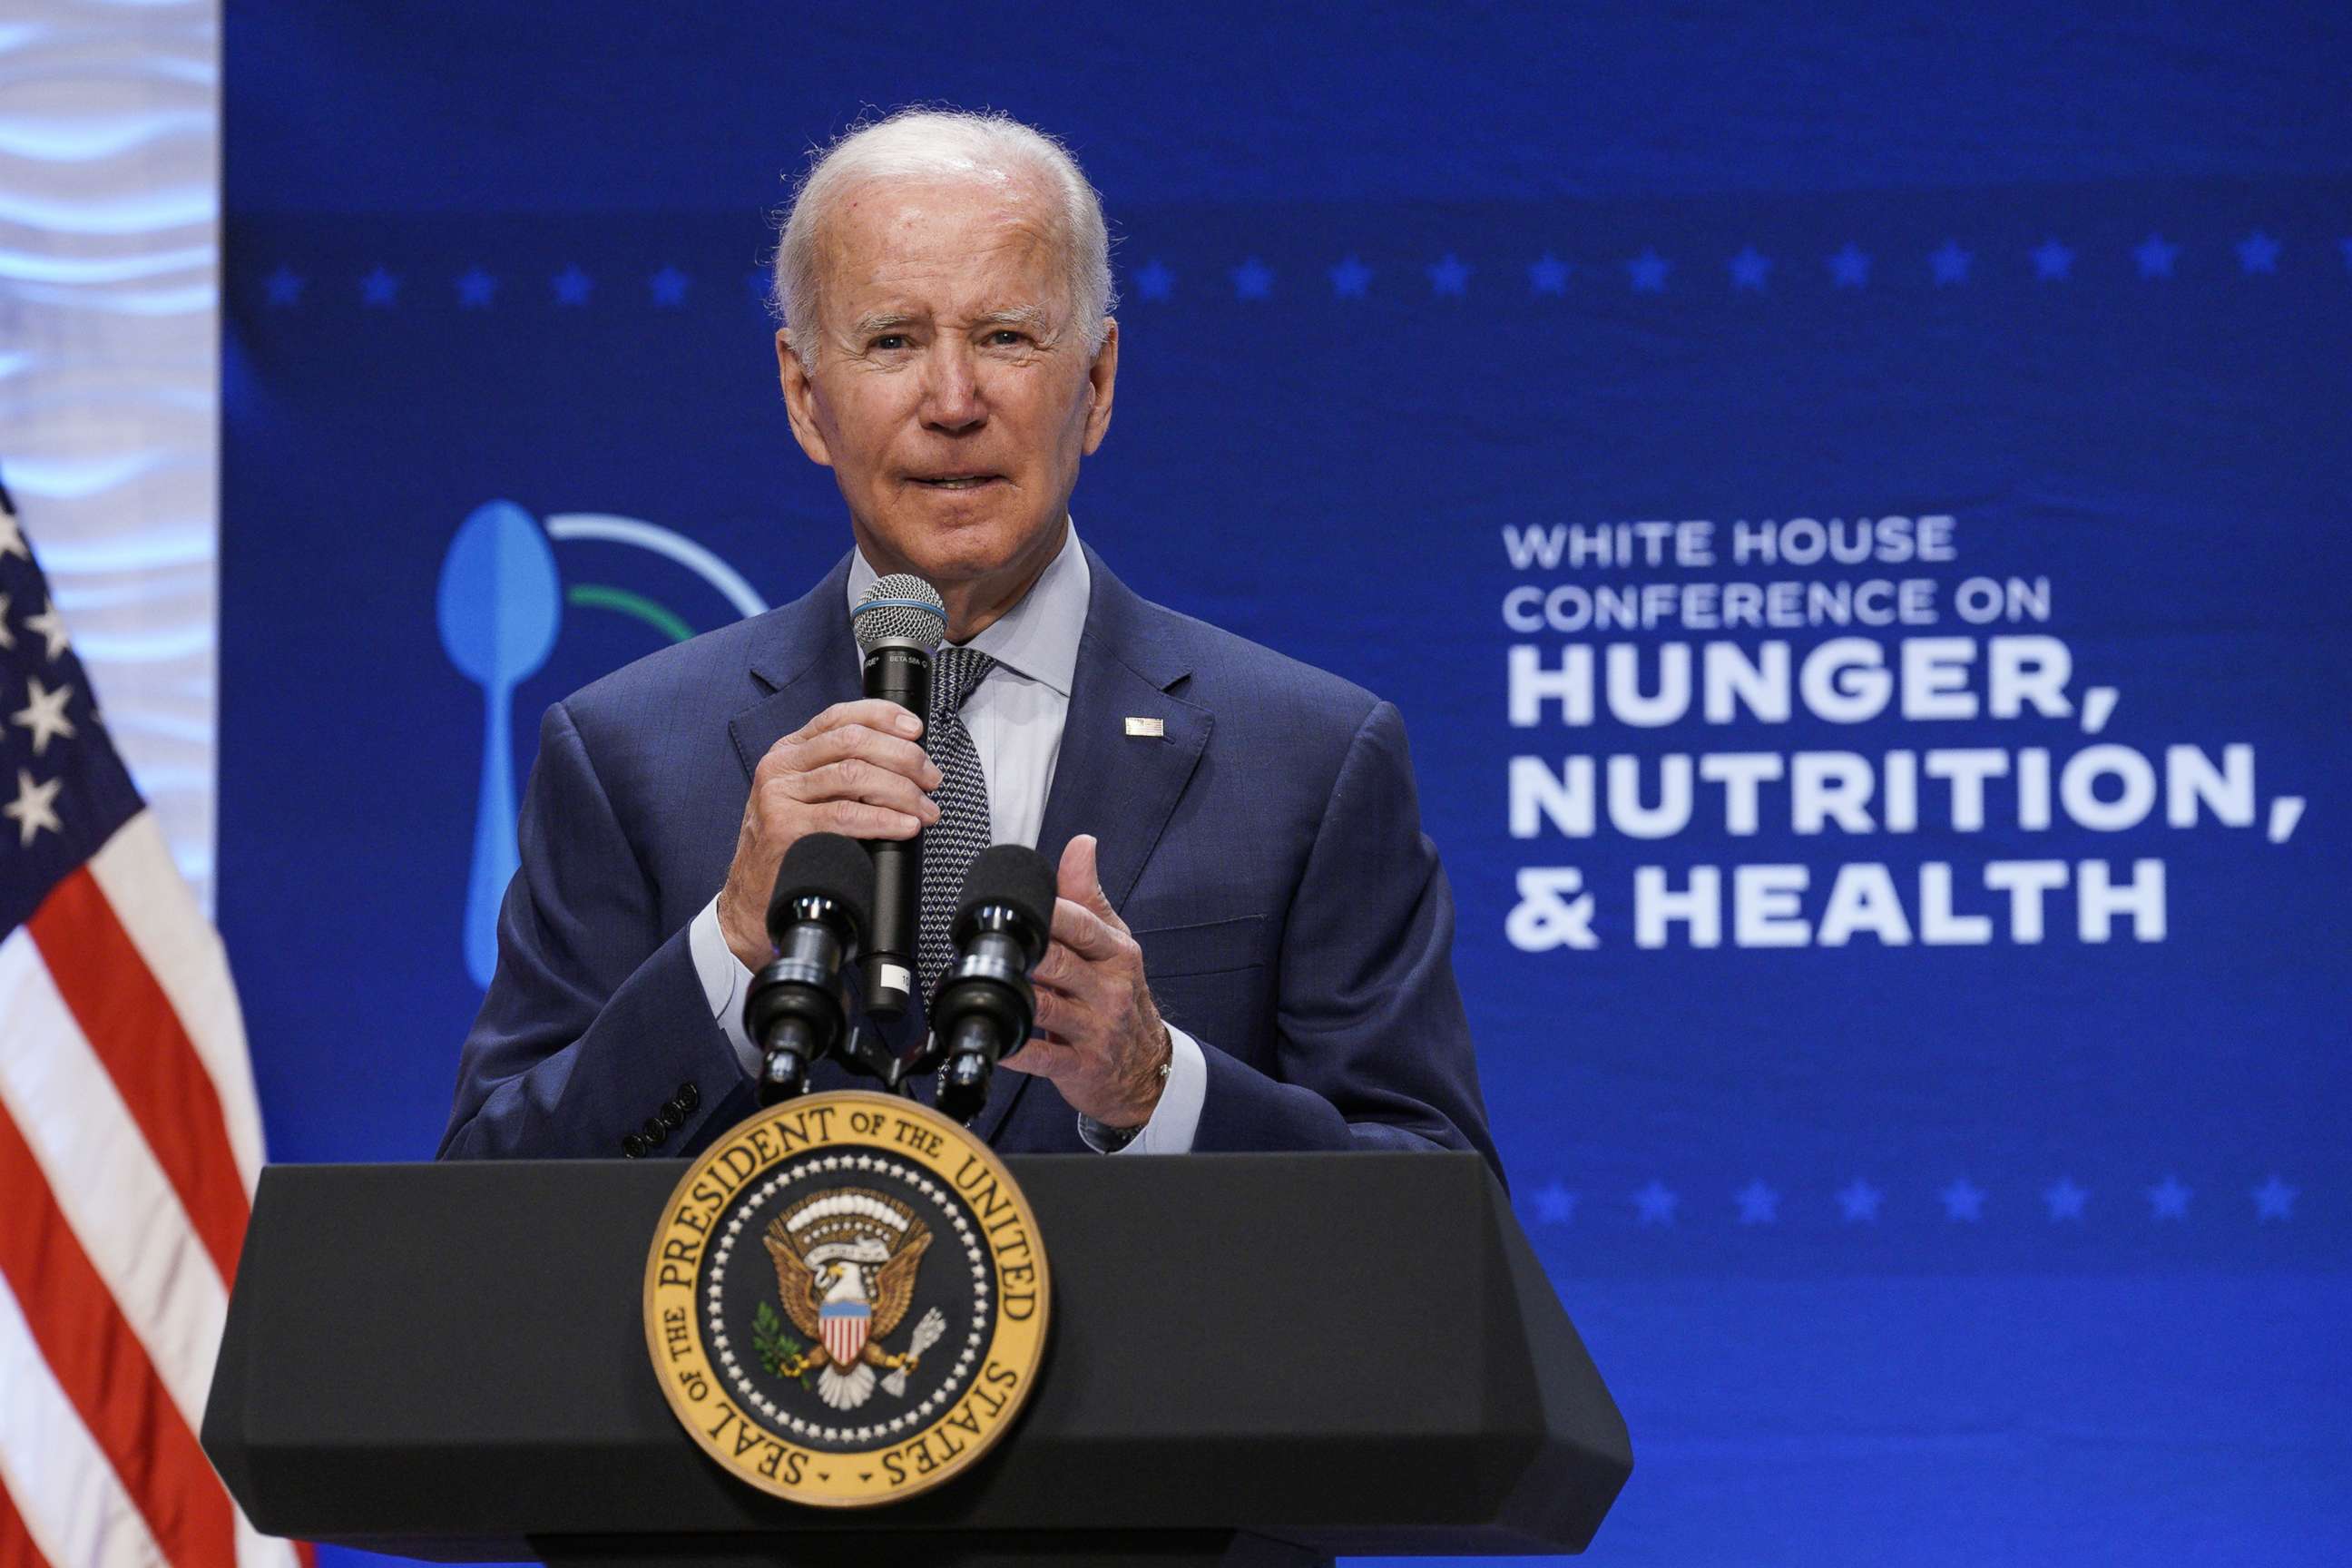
point(1036, 317)
point(881, 322)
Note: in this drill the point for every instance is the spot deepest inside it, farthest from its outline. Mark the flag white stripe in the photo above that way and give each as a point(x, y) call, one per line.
point(254, 1550)
point(73, 1504)
point(151, 900)
point(114, 1194)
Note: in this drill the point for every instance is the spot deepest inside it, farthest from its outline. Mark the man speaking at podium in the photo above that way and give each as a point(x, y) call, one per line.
point(1251, 945)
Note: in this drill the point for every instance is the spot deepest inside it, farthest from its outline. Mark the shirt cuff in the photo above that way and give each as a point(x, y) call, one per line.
point(725, 980)
point(1177, 1118)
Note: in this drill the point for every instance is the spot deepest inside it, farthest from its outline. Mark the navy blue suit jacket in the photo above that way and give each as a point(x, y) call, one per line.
point(1266, 852)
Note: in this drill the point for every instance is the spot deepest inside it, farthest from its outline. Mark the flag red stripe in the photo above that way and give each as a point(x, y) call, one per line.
point(134, 1032)
point(103, 1369)
point(17, 1548)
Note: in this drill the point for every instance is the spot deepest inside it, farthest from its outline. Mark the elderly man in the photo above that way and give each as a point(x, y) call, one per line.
point(1251, 945)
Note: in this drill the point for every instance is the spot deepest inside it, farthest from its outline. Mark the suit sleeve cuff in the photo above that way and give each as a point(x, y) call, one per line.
point(1178, 1115)
point(725, 980)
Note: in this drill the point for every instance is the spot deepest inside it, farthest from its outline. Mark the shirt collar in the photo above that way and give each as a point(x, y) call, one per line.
point(1038, 638)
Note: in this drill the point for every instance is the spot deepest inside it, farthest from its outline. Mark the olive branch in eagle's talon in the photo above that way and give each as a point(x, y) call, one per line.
point(781, 1353)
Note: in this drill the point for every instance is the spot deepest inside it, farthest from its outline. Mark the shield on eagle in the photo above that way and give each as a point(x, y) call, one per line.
point(843, 1326)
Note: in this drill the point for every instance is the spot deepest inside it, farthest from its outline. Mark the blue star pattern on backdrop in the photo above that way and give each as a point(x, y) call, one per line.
point(1962, 1202)
point(1951, 265)
point(1859, 1202)
point(1647, 272)
point(2274, 1200)
point(1555, 1205)
point(1656, 1202)
point(2156, 256)
point(2053, 260)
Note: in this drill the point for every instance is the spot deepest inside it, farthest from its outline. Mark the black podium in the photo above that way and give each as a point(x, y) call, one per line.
point(1254, 1359)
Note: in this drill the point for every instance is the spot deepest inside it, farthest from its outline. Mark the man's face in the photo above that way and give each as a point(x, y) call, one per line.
point(952, 394)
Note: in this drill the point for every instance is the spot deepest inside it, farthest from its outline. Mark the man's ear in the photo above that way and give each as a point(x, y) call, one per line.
point(800, 400)
point(1102, 378)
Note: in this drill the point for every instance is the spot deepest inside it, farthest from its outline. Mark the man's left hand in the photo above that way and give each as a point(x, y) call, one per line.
point(1100, 1038)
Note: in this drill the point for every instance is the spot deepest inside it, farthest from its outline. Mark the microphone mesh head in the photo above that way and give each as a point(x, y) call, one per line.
point(900, 607)
point(824, 866)
point(1012, 874)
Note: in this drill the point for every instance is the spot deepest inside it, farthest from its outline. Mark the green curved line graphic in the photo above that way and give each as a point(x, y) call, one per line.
point(661, 617)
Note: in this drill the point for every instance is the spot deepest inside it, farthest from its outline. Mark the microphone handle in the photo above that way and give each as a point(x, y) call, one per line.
point(900, 673)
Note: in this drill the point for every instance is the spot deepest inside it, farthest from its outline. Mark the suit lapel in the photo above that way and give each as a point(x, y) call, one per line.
point(809, 665)
point(1119, 786)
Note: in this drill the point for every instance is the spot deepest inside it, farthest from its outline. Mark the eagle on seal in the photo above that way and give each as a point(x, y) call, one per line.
point(846, 1266)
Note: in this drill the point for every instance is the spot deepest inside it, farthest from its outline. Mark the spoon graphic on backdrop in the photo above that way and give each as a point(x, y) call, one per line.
point(501, 604)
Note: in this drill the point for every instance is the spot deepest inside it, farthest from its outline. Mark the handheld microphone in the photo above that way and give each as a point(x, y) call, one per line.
point(798, 1004)
point(985, 1002)
point(898, 622)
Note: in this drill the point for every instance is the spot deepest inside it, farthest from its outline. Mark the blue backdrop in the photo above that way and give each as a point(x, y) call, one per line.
point(1907, 955)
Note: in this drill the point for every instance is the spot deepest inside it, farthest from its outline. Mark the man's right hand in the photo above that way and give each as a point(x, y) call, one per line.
point(858, 769)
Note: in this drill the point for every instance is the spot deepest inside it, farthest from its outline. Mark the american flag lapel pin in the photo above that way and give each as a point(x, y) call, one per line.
point(1154, 728)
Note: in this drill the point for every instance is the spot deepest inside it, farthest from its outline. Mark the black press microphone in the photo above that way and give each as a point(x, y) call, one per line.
point(797, 1006)
point(985, 1005)
point(900, 621)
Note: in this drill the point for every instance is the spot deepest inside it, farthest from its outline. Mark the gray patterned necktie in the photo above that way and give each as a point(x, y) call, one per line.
point(963, 830)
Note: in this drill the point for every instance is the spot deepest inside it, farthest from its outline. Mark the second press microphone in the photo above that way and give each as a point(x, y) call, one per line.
point(898, 621)
point(984, 1003)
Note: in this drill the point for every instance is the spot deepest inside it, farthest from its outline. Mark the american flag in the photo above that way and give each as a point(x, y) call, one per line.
point(130, 1139)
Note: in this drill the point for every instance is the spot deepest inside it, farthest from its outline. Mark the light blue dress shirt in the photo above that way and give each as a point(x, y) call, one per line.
point(1014, 716)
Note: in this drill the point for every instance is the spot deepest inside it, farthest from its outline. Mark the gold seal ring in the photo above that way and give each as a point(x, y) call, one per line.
point(846, 1300)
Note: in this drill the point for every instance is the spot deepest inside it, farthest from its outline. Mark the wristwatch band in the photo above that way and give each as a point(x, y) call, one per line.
point(1111, 1140)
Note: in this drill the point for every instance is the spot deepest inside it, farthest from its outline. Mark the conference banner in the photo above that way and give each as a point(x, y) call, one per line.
point(1875, 651)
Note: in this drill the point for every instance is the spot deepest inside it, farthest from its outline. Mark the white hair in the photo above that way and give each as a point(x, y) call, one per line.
point(943, 144)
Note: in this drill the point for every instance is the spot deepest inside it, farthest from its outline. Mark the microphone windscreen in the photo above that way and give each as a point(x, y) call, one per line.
point(900, 607)
point(1012, 874)
point(827, 865)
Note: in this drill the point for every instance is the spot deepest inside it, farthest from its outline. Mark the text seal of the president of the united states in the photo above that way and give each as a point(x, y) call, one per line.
point(847, 1300)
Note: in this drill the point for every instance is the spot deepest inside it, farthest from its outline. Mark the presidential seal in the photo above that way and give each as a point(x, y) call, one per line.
point(846, 1300)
